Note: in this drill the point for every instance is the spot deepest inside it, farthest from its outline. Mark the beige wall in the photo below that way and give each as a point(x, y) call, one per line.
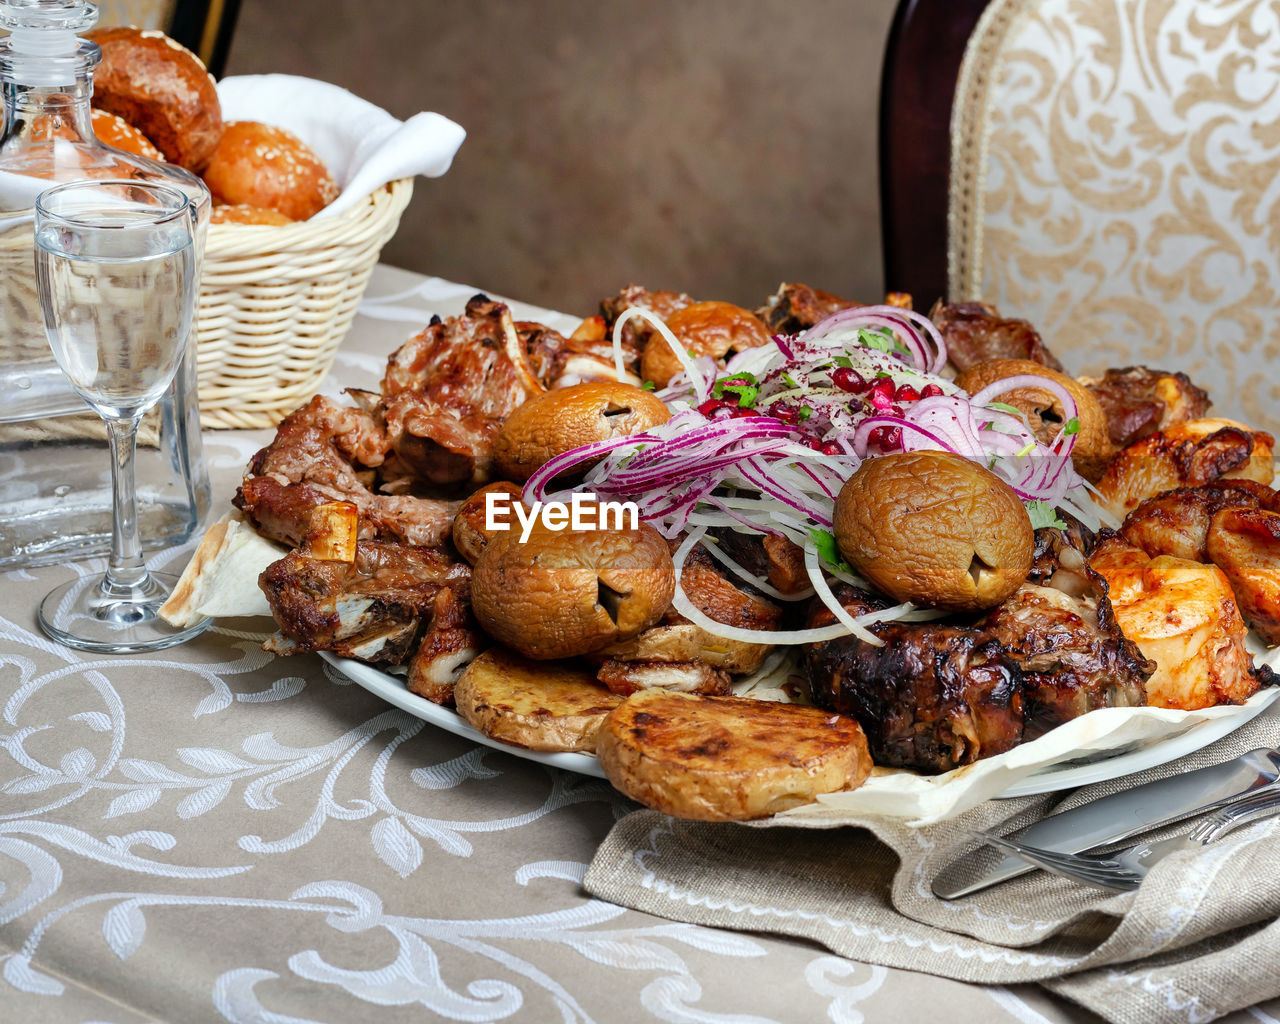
point(712, 146)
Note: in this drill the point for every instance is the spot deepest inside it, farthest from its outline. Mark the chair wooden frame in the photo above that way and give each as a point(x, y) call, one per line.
point(921, 65)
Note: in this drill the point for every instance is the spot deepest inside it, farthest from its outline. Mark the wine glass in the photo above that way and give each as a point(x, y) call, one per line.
point(115, 271)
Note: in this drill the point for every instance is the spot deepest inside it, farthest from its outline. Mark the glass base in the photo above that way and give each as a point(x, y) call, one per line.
point(91, 616)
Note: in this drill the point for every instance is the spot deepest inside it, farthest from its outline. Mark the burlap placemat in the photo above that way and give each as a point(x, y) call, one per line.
point(1200, 938)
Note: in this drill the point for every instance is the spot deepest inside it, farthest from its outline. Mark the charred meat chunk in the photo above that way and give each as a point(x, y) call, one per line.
point(975, 332)
point(1177, 522)
point(795, 307)
point(1072, 654)
point(636, 333)
point(1139, 400)
point(933, 697)
point(1061, 554)
point(374, 608)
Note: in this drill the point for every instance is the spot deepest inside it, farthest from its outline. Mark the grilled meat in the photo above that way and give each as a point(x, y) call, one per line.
point(1177, 522)
point(933, 698)
point(1072, 654)
point(635, 333)
point(770, 557)
point(448, 388)
point(1245, 544)
point(1183, 616)
point(1138, 401)
point(375, 608)
point(1185, 455)
point(1060, 556)
point(795, 307)
point(628, 677)
point(975, 332)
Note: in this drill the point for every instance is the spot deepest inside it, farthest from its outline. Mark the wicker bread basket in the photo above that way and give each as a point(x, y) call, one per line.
point(275, 303)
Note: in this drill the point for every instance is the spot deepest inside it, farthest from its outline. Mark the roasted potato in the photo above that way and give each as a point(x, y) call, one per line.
point(934, 528)
point(728, 758)
point(541, 705)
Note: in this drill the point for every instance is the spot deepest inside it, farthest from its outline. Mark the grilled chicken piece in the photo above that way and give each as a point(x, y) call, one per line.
point(795, 307)
point(1072, 655)
point(1177, 522)
point(1138, 401)
point(447, 389)
point(1185, 455)
point(635, 333)
point(1183, 616)
point(374, 608)
point(933, 698)
point(1245, 544)
point(975, 332)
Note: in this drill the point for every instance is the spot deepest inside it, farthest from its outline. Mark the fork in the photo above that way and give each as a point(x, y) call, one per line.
point(1125, 869)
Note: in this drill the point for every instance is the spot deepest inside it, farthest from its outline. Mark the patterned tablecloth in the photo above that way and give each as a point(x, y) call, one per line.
point(215, 834)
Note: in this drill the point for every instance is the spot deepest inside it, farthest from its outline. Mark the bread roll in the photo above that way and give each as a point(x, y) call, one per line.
point(114, 130)
point(161, 88)
point(244, 213)
point(260, 165)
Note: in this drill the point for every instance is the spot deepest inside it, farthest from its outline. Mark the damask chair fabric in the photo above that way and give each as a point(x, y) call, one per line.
point(1114, 180)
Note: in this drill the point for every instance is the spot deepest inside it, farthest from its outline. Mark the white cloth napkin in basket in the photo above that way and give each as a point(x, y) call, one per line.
point(363, 146)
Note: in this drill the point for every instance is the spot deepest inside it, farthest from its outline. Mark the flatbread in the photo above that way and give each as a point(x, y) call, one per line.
point(221, 580)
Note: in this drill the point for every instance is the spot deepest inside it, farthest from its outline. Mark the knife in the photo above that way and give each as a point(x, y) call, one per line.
point(1113, 818)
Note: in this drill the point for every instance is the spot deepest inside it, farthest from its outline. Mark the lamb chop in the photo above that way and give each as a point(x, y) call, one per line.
point(795, 307)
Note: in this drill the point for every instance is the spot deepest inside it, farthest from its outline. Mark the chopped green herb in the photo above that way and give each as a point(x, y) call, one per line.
point(1004, 407)
point(875, 340)
point(647, 386)
point(790, 381)
point(1072, 427)
point(1043, 514)
point(741, 384)
point(1030, 447)
point(805, 412)
point(828, 549)
point(844, 361)
point(882, 373)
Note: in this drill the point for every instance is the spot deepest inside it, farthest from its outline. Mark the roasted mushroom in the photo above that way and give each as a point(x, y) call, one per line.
point(470, 526)
point(716, 329)
point(562, 593)
point(934, 528)
point(558, 421)
point(1043, 410)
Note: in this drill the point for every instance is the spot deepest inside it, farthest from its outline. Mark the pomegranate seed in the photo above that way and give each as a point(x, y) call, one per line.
point(906, 393)
point(848, 380)
point(714, 409)
point(886, 437)
point(896, 409)
point(931, 391)
point(738, 411)
point(894, 439)
point(784, 411)
point(830, 448)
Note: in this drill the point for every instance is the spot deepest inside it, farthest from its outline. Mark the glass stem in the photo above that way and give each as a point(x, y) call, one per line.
point(125, 568)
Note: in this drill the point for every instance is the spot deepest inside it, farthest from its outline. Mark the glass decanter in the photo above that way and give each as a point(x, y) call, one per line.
point(55, 488)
